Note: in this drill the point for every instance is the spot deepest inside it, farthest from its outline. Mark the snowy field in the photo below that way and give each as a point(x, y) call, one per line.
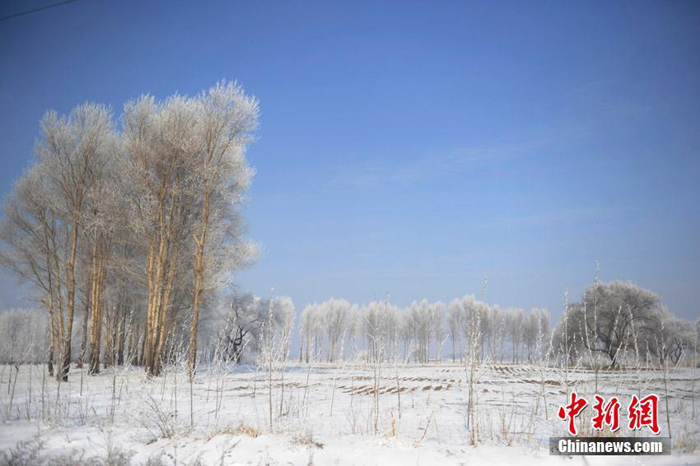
point(321, 414)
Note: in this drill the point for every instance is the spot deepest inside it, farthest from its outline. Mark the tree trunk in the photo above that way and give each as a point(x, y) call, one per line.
point(70, 272)
point(198, 283)
point(96, 300)
point(52, 330)
point(84, 339)
point(119, 358)
point(157, 264)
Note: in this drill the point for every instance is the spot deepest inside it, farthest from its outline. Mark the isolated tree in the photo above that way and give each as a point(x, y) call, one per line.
point(608, 318)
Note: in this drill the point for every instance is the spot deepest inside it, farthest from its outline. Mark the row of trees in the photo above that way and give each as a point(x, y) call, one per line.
point(612, 323)
point(420, 332)
point(616, 321)
point(131, 227)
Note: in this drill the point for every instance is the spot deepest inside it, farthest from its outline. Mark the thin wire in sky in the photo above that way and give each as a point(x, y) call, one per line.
point(53, 5)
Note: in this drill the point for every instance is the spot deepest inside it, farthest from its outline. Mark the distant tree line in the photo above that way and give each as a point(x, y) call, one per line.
point(614, 321)
point(613, 324)
point(421, 332)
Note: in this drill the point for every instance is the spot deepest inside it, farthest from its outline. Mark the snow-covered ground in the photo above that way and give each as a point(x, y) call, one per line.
point(322, 414)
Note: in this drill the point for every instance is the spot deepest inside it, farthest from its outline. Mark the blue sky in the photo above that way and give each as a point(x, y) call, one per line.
point(413, 147)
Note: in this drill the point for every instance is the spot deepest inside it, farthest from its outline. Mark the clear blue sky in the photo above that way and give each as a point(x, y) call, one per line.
point(414, 147)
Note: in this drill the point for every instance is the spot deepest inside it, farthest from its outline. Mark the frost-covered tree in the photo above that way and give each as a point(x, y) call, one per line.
point(372, 325)
point(354, 327)
point(23, 336)
point(70, 156)
point(336, 313)
point(224, 119)
point(419, 318)
point(530, 332)
point(32, 245)
point(137, 228)
point(487, 329)
point(158, 150)
point(670, 338)
point(535, 329)
point(498, 333)
point(610, 319)
point(514, 321)
point(243, 321)
point(279, 325)
point(307, 331)
point(455, 323)
point(185, 163)
point(437, 323)
point(472, 311)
